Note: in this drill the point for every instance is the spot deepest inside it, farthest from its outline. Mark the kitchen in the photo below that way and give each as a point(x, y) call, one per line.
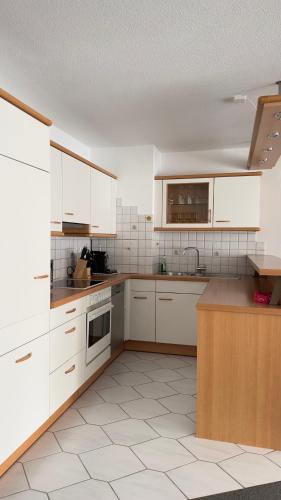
point(141, 261)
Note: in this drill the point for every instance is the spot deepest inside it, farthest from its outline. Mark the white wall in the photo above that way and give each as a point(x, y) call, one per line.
point(271, 210)
point(134, 169)
point(69, 142)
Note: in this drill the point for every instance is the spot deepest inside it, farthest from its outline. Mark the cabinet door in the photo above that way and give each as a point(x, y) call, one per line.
point(187, 203)
point(142, 316)
point(56, 190)
point(23, 138)
point(76, 190)
point(25, 246)
point(237, 201)
point(113, 206)
point(24, 376)
point(176, 318)
point(66, 380)
point(101, 220)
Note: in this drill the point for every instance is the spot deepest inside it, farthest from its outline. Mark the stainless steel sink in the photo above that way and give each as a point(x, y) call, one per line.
point(205, 275)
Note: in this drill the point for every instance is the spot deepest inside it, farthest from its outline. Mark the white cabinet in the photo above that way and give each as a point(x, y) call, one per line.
point(67, 312)
point(25, 246)
point(76, 190)
point(24, 375)
point(56, 190)
point(237, 201)
point(23, 138)
point(66, 380)
point(66, 341)
point(176, 318)
point(113, 206)
point(142, 316)
point(102, 194)
point(187, 203)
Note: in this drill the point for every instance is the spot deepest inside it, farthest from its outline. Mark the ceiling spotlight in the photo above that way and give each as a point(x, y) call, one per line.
point(273, 135)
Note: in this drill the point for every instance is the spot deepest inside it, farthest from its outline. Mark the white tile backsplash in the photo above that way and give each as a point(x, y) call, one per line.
point(138, 249)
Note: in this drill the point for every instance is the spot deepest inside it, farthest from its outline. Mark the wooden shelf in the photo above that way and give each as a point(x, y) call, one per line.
point(266, 265)
point(266, 123)
point(83, 235)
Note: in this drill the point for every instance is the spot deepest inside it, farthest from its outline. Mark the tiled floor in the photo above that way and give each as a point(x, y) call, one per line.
point(131, 436)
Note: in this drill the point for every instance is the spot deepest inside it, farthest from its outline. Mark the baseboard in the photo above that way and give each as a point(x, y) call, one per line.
point(139, 345)
point(58, 413)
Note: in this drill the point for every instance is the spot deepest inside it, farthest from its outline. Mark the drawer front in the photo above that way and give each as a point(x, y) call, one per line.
point(24, 374)
point(62, 314)
point(143, 285)
point(66, 380)
point(23, 138)
point(66, 341)
point(92, 367)
point(22, 332)
point(196, 287)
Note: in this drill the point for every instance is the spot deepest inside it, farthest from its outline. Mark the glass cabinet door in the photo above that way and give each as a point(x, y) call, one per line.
point(188, 203)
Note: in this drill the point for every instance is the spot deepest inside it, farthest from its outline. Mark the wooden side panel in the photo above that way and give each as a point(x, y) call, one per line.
point(239, 378)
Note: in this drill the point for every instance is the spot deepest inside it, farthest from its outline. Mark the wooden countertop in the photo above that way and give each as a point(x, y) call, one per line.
point(60, 296)
point(266, 265)
point(235, 295)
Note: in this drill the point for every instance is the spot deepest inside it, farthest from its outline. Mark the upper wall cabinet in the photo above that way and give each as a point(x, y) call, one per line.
point(222, 201)
point(237, 202)
point(56, 190)
point(23, 138)
point(76, 191)
point(103, 203)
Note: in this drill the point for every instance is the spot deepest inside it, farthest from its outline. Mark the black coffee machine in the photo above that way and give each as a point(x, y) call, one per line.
point(99, 262)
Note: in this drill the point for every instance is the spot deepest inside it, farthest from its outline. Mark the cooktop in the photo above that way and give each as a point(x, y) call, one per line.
point(81, 284)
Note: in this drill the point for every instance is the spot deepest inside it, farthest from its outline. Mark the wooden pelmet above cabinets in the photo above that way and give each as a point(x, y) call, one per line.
point(83, 196)
point(207, 202)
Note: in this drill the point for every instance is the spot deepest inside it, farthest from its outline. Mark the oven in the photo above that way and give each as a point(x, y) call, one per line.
point(98, 329)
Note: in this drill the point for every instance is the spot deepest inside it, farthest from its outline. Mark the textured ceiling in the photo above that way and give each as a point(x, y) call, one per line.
point(127, 72)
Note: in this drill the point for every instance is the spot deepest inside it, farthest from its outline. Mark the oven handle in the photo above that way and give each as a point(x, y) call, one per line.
point(99, 312)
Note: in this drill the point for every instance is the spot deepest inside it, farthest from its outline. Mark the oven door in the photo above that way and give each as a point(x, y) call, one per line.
point(98, 331)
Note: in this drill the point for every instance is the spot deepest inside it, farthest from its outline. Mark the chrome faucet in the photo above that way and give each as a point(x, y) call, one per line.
point(199, 269)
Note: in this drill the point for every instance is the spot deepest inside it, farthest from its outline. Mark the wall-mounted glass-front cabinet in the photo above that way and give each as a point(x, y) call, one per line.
point(187, 203)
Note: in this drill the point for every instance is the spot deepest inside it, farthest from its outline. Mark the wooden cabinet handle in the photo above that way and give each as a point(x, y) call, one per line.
point(68, 213)
point(165, 299)
point(223, 220)
point(69, 370)
point(41, 277)
point(55, 222)
point(24, 358)
point(141, 298)
point(71, 330)
point(71, 311)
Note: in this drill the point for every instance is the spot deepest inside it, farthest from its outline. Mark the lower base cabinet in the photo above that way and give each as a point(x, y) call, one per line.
point(142, 316)
point(66, 380)
point(24, 375)
point(176, 318)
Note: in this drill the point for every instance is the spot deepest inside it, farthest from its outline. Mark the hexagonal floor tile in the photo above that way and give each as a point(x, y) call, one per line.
point(148, 485)
point(184, 386)
point(88, 490)
point(54, 472)
point(142, 365)
point(192, 416)
point(155, 390)
point(131, 378)
point(105, 413)
point(255, 449)
point(144, 408)
point(89, 397)
point(201, 479)
point(129, 432)
point(83, 438)
point(188, 371)
point(172, 425)
point(13, 481)
point(127, 357)
point(251, 470)
point(150, 355)
point(28, 495)
point(179, 403)
point(44, 446)
point(103, 382)
point(163, 454)
point(164, 375)
point(71, 418)
point(209, 450)
point(119, 394)
point(111, 462)
point(116, 367)
point(275, 456)
point(171, 363)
